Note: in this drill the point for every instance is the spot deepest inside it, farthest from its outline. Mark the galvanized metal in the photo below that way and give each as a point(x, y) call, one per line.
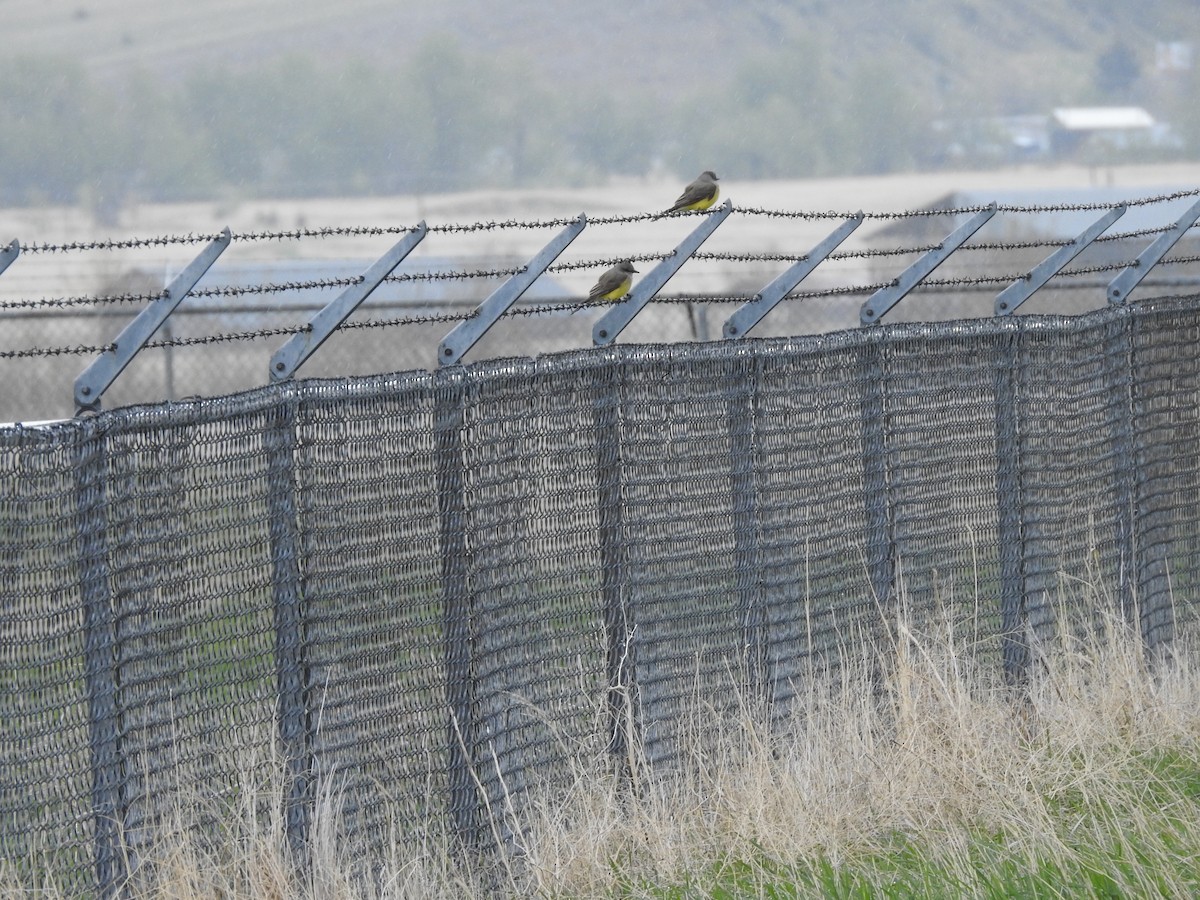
point(458, 609)
point(100, 655)
point(293, 712)
point(466, 334)
point(99, 376)
point(622, 700)
point(879, 303)
point(1012, 548)
point(300, 347)
point(753, 311)
point(613, 322)
point(741, 411)
point(1010, 299)
point(877, 496)
point(1129, 278)
point(1127, 473)
point(9, 254)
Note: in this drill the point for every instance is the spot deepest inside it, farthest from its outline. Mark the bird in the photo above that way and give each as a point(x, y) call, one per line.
point(700, 194)
point(615, 283)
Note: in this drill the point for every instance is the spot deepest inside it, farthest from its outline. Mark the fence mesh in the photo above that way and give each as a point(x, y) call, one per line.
point(440, 588)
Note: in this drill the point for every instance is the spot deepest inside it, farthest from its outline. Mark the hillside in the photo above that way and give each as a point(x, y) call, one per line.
point(111, 105)
point(1015, 55)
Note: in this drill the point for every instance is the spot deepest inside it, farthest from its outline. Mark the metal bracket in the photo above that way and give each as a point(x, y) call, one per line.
point(613, 322)
point(1129, 278)
point(301, 346)
point(9, 254)
point(752, 312)
point(885, 298)
point(1009, 299)
point(466, 334)
point(99, 376)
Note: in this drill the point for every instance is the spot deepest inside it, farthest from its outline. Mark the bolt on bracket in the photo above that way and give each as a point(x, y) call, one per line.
point(1009, 299)
point(467, 333)
point(99, 376)
point(613, 322)
point(300, 347)
point(754, 310)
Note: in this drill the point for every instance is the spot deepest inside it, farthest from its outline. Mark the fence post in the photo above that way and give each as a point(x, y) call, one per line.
point(1014, 646)
point(880, 302)
point(619, 621)
point(299, 347)
point(742, 414)
point(755, 309)
point(1129, 278)
point(458, 639)
point(101, 673)
point(466, 334)
point(291, 668)
point(1118, 364)
point(880, 538)
point(1143, 592)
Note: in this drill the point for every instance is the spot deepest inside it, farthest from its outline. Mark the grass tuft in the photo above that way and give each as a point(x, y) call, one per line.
point(909, 770)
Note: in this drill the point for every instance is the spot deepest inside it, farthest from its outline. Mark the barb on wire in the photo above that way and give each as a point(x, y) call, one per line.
point(1070, 278)
point(493, 225)
point(931, 212)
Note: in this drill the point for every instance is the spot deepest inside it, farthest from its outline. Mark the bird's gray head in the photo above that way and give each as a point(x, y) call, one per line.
point(627, 266)
point(710, 175)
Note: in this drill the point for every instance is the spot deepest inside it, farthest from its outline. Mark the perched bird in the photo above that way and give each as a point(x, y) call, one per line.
point(613, 284)
point(700, 194)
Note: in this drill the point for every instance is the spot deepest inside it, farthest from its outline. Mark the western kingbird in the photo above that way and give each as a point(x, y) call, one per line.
point(615, 283)
point(700, 194)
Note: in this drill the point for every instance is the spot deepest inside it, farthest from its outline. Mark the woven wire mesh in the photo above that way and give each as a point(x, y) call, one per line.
point(441, 590)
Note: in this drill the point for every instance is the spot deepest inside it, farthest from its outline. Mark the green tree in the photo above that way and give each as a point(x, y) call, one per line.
point(882, 126)
point(450, 118)
point(50, 120)
point(1117, 71)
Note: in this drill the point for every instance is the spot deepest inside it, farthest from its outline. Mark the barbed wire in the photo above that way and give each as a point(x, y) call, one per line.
point(962, 282)
point(533, 224)
point(929, 285)
point(504, 272)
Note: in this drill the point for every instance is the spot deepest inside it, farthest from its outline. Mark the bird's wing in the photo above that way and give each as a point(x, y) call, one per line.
point(699, 189)
point(609, 281)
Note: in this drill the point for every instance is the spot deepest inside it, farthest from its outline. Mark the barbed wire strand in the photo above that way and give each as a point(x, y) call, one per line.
point(930, 285)
point(435, 276)
point(507, 224)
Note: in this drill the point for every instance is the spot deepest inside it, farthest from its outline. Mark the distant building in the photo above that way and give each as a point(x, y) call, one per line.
point(1174, 56)
point(1065, 134)
point(1114, 126)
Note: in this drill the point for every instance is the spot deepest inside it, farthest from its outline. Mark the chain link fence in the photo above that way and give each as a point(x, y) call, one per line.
point(439, 589)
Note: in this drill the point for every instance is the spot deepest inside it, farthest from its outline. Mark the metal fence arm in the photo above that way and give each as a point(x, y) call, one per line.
point(613, 322)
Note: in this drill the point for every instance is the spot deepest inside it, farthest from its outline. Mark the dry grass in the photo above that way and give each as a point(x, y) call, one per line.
point(946, 782)
point(937, 781)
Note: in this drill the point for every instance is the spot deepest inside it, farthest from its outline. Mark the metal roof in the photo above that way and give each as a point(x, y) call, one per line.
point(1057, 223)
point(1093, 118)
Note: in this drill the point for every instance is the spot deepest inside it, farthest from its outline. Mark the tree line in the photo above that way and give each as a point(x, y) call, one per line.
point(441, 120)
